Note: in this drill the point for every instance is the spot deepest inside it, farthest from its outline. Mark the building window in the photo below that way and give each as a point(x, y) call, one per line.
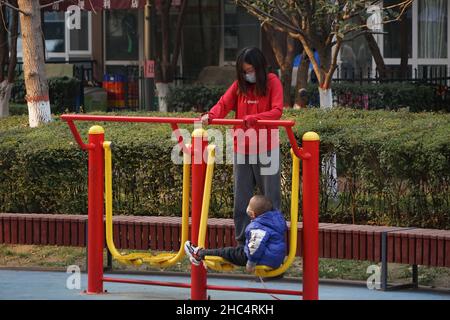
point(392, 39)
point(54, 32)
point(79, 38)
point(240, 30)
point(433, 29)
point(121, 35)
point(60, 42)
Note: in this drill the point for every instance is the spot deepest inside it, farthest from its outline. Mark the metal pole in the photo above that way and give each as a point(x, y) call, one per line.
point(199, 145)
point(310, 241)
point(149, 91)
point(384, 263)
point(95, 210)
point(415, 276)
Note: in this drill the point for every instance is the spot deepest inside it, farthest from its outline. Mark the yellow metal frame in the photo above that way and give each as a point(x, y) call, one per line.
point(220, 264)
point(206, 195)
point(162, 260)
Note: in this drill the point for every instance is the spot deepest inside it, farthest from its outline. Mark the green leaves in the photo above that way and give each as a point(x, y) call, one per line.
point(62, 91)
point(194, 97)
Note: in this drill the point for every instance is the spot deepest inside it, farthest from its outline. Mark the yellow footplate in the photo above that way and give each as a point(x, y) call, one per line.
point(218, 263)
point(138, 259)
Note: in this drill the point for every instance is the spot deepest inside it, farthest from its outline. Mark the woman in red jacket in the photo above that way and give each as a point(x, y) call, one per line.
point(255, 95)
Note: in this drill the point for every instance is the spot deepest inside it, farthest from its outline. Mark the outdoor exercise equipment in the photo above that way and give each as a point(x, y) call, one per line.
point(219, 263)
point(308, 153)
point(162, 260)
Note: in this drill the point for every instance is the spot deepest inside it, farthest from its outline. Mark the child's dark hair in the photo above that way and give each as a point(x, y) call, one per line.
point(261, 204)
point(254, 57)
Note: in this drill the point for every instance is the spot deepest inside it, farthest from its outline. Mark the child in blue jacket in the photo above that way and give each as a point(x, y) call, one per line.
point(264, 239)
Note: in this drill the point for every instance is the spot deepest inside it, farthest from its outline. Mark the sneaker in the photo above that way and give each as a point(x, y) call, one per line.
point(192, 253)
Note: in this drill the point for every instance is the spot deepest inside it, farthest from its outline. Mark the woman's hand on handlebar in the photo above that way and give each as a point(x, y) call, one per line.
point(204, 119)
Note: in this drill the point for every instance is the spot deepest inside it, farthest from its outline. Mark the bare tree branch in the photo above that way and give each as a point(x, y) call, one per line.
point(52, 3)
point(176, 51)
point(6, 3)
point(262, 15)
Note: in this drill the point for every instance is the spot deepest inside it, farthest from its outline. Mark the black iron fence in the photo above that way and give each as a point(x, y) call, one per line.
point(362, 88)
point(433, 75)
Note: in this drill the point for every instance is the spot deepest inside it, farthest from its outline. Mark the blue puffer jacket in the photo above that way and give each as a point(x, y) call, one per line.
point(265, 239)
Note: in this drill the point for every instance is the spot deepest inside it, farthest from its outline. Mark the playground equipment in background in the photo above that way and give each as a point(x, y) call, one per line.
point(97, 149)
point(115, 87)
point(122, 91)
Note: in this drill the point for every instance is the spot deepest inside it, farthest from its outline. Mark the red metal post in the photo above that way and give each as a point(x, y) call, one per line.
point(95, 210)
point(310, 241)
point(199, 144)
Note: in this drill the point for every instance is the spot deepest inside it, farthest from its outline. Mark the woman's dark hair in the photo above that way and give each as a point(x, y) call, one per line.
point(254, 57)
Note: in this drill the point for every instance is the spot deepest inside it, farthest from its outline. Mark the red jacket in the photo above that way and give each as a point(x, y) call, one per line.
point(268, 107)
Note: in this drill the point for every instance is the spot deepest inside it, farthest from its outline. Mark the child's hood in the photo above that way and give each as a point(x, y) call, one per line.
point(273, 220)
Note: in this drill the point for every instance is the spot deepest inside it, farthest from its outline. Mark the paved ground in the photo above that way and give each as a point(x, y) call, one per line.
point(46, 285)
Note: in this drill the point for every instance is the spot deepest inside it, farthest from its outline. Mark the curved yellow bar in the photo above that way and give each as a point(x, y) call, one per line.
point(108, 199)
point(164, 259)
point(220, 264)
point(206, 195)
point(184, 210)
point(265, 271)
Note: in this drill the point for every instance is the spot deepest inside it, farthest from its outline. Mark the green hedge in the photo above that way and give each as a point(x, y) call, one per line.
point(393, 168)
point(63, 92)
point(197, 98)
point(391, 96)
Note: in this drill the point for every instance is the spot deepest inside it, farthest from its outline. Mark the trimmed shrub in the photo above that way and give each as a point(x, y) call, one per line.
point(63, 92)
point(393, 167)
point(390, 96)
point(197, 98)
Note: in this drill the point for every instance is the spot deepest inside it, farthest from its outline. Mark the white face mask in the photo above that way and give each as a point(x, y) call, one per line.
point(250, 77)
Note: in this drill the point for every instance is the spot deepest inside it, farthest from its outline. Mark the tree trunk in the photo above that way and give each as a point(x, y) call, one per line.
point(5, 96)
point(326, 98)
point(162, 90)
point(167, 66)
point(375, 51)
point(404, 48)
point(13, 41)
point(327, 57)
point(34, 73)
point(3, 45)
point(376, 54)
point(283, 48)
point(6, 84)
point(286, 79)
point(301, 98)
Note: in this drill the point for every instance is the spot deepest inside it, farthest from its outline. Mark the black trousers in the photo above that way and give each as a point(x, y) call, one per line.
point(250, 171)
point(235, 255)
